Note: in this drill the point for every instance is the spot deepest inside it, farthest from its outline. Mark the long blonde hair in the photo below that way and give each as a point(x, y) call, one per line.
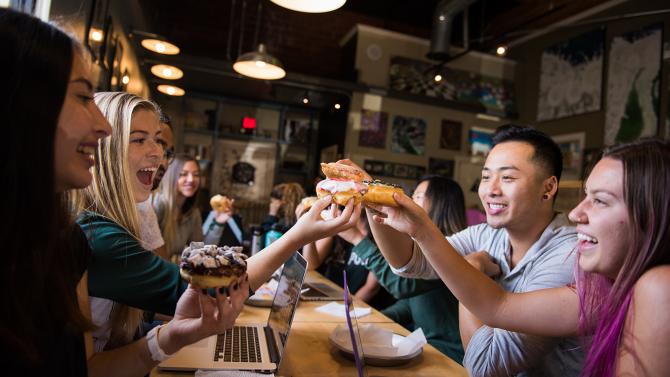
point(111, 193)
point(166, 200)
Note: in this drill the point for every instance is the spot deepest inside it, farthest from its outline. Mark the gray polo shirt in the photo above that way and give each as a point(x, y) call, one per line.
point(548, 263)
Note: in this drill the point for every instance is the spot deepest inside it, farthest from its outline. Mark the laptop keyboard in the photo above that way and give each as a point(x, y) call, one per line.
point(239, 344)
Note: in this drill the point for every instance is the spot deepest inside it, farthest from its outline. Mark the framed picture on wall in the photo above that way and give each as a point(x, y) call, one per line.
point(572, 147)
point(408, 135)
point(442, 167)
point(374, 126)
point(450, 135)
point(633, 77)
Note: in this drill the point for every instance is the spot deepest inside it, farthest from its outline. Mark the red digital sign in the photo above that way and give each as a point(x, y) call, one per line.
point(248, 123)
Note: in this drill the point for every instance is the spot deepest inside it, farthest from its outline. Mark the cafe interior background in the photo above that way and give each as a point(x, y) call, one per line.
point(404, 88)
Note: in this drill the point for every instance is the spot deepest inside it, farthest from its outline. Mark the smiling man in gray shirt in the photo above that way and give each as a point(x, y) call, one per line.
point(524, 246)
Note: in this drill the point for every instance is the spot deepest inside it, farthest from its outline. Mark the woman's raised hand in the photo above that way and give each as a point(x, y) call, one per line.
point(311, 226)
point(198, 315)
point(408, 217)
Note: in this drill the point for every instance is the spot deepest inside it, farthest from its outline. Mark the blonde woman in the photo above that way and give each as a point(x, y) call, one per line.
point(178, 216)
point(121, 271)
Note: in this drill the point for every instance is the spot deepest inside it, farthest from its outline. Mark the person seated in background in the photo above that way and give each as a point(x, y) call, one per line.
point(621, 300)
point(179, 218)
point(333, 255)
point(150, 232)
point(532, 244)
point(223, 228)
point(284, 198)
point(425, 304)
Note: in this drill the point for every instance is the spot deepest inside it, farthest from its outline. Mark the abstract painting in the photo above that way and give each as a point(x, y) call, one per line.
point(571, 76)
point(633, 82)
point(373, 129)
point(408, 135)
point(481, 141)
point(417, 78)
point(450, 137)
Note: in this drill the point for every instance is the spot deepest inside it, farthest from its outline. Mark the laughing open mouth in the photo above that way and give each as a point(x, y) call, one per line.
point(145, 176)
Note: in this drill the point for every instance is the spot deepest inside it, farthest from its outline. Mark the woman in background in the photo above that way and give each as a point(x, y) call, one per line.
point(284, 198)
point(179, 218)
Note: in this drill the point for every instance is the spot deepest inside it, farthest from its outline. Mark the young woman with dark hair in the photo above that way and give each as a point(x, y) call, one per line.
point(46, 153)
point(621, 300)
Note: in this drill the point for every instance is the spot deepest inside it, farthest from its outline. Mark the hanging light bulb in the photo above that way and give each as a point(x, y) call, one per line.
point(167, 72)
point(337, 106)
point(310, 6)
point(437, 78)
point(171, 90)
point(159, 46)
point(96, 35)
point(259, 65)
point(501, 50)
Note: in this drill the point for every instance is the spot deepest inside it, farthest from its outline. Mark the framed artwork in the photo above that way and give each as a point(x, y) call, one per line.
point(450, 135)
point(572, 147)
point(442, 167)
point(466, 88)
point(571, 76)
point(408, 135)
point(481, 141)
point(633, 80)
point(374, 125)
point(394, 170)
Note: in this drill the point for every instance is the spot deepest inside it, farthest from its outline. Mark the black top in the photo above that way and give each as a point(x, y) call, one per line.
point(61, 353)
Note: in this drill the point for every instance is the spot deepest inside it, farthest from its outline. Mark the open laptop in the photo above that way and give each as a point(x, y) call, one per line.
point(257, 347)
point(315, 291)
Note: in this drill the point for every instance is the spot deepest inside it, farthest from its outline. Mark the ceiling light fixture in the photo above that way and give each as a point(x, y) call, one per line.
point(125, 79)
point(501, 50)
point(160, 46)
point(96, 35)
point(171, 90)
point(337, 106)
point(310, 6)
point(259, 65)
point(437, 78)
point(167, 72)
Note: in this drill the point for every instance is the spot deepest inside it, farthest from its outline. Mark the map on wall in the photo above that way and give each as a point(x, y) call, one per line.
point(417, 77)
point(571, 76)
point(633, 82)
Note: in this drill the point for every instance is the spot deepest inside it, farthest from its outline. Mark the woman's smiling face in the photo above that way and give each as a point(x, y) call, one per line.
point(144, 152)
point(189, 179)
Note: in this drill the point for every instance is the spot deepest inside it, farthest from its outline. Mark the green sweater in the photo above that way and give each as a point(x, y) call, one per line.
point(427, 304)
point(121, 270)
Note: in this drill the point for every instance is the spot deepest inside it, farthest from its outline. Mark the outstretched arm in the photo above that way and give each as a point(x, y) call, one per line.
point(309, 228)
point(550, 312)
point(395, 246)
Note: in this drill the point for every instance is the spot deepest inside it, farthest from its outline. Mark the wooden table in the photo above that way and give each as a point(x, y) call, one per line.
point(309, 354)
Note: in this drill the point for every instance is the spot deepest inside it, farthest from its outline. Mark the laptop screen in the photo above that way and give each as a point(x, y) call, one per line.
point(352, 324)
point(285, 300)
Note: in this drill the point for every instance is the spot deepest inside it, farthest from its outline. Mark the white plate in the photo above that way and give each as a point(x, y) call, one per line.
point(377, 360)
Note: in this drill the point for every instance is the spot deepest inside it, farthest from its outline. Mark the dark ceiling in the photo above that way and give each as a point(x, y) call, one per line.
point(309, 44)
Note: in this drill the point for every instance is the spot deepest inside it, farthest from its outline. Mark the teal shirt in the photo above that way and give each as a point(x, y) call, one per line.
point(121, 270)
point(427, 304)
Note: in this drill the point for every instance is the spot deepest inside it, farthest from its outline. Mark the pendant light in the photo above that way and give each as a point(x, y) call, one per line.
point(310, 6)
point(258, 64)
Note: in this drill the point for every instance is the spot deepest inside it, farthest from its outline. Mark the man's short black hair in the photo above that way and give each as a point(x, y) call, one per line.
point(546, 151)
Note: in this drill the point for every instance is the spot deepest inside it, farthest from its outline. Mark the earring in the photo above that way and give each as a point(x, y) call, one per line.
point(545, 196)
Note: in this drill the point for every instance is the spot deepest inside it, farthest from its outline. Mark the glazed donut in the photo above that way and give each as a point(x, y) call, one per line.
point(220, 203)
point(381, 193)
point(341, 171)
point(209, 266)
point(341, 190)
